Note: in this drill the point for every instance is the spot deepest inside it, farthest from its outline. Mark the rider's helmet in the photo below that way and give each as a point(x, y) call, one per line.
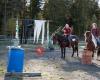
point(67, 26)
point(94, 25)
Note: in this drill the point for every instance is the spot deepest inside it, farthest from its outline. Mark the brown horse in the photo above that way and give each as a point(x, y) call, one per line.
point(90, 44)
point(63, 43)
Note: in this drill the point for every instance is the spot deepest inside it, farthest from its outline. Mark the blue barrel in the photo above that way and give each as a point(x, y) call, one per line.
point(15, 60)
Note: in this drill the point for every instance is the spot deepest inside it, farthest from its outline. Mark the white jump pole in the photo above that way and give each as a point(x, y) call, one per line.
point(48, 33)
point(17, 30)
point(43, 32)
point(16, 41)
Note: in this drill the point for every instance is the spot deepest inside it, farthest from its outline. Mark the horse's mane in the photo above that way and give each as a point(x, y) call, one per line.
point(88, 36)
point(59, 36)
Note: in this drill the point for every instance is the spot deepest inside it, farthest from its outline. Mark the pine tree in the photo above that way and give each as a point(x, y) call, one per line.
point(34, 8)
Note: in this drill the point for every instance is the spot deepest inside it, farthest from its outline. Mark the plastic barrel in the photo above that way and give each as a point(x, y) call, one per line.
point(15, 60)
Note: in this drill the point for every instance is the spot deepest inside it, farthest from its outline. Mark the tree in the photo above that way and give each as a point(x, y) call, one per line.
point(9, 9)
point(83, 12)
point(1, 15)
point(34, 8)
point(56, 11)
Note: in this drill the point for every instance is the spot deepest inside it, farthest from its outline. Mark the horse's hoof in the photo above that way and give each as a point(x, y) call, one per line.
point(72, 56)
point(78, 56)
point(63, 58)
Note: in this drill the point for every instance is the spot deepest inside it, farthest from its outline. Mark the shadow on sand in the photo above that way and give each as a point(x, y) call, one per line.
point(91, 69)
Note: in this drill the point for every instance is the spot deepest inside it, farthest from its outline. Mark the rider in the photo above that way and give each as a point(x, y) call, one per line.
point(95, 31)
point(67, 32)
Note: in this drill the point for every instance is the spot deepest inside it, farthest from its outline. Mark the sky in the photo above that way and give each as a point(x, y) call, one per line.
point(28, 2)
point(99, 3)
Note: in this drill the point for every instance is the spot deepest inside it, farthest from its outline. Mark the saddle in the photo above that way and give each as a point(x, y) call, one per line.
point(65, 39)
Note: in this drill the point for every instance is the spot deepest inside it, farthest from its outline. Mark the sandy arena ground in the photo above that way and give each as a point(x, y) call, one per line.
point(52, 67)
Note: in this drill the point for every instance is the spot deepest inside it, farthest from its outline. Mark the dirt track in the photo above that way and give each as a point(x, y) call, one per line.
point(52, 67)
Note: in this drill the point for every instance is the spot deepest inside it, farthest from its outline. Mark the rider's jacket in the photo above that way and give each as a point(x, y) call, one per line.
point(67, 31)
point(95, 32)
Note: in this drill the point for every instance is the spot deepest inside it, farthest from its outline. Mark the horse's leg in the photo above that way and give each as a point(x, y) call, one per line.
point(73, 51)
point(61, 52)
point(98, 53)
point(64, 52)
point(77, 51)
point(93, 54)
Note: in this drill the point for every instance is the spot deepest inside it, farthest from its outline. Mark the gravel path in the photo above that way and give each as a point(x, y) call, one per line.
point(52, 67)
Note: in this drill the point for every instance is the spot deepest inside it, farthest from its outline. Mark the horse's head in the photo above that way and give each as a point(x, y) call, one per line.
point(56, 38)
point(88, 36)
